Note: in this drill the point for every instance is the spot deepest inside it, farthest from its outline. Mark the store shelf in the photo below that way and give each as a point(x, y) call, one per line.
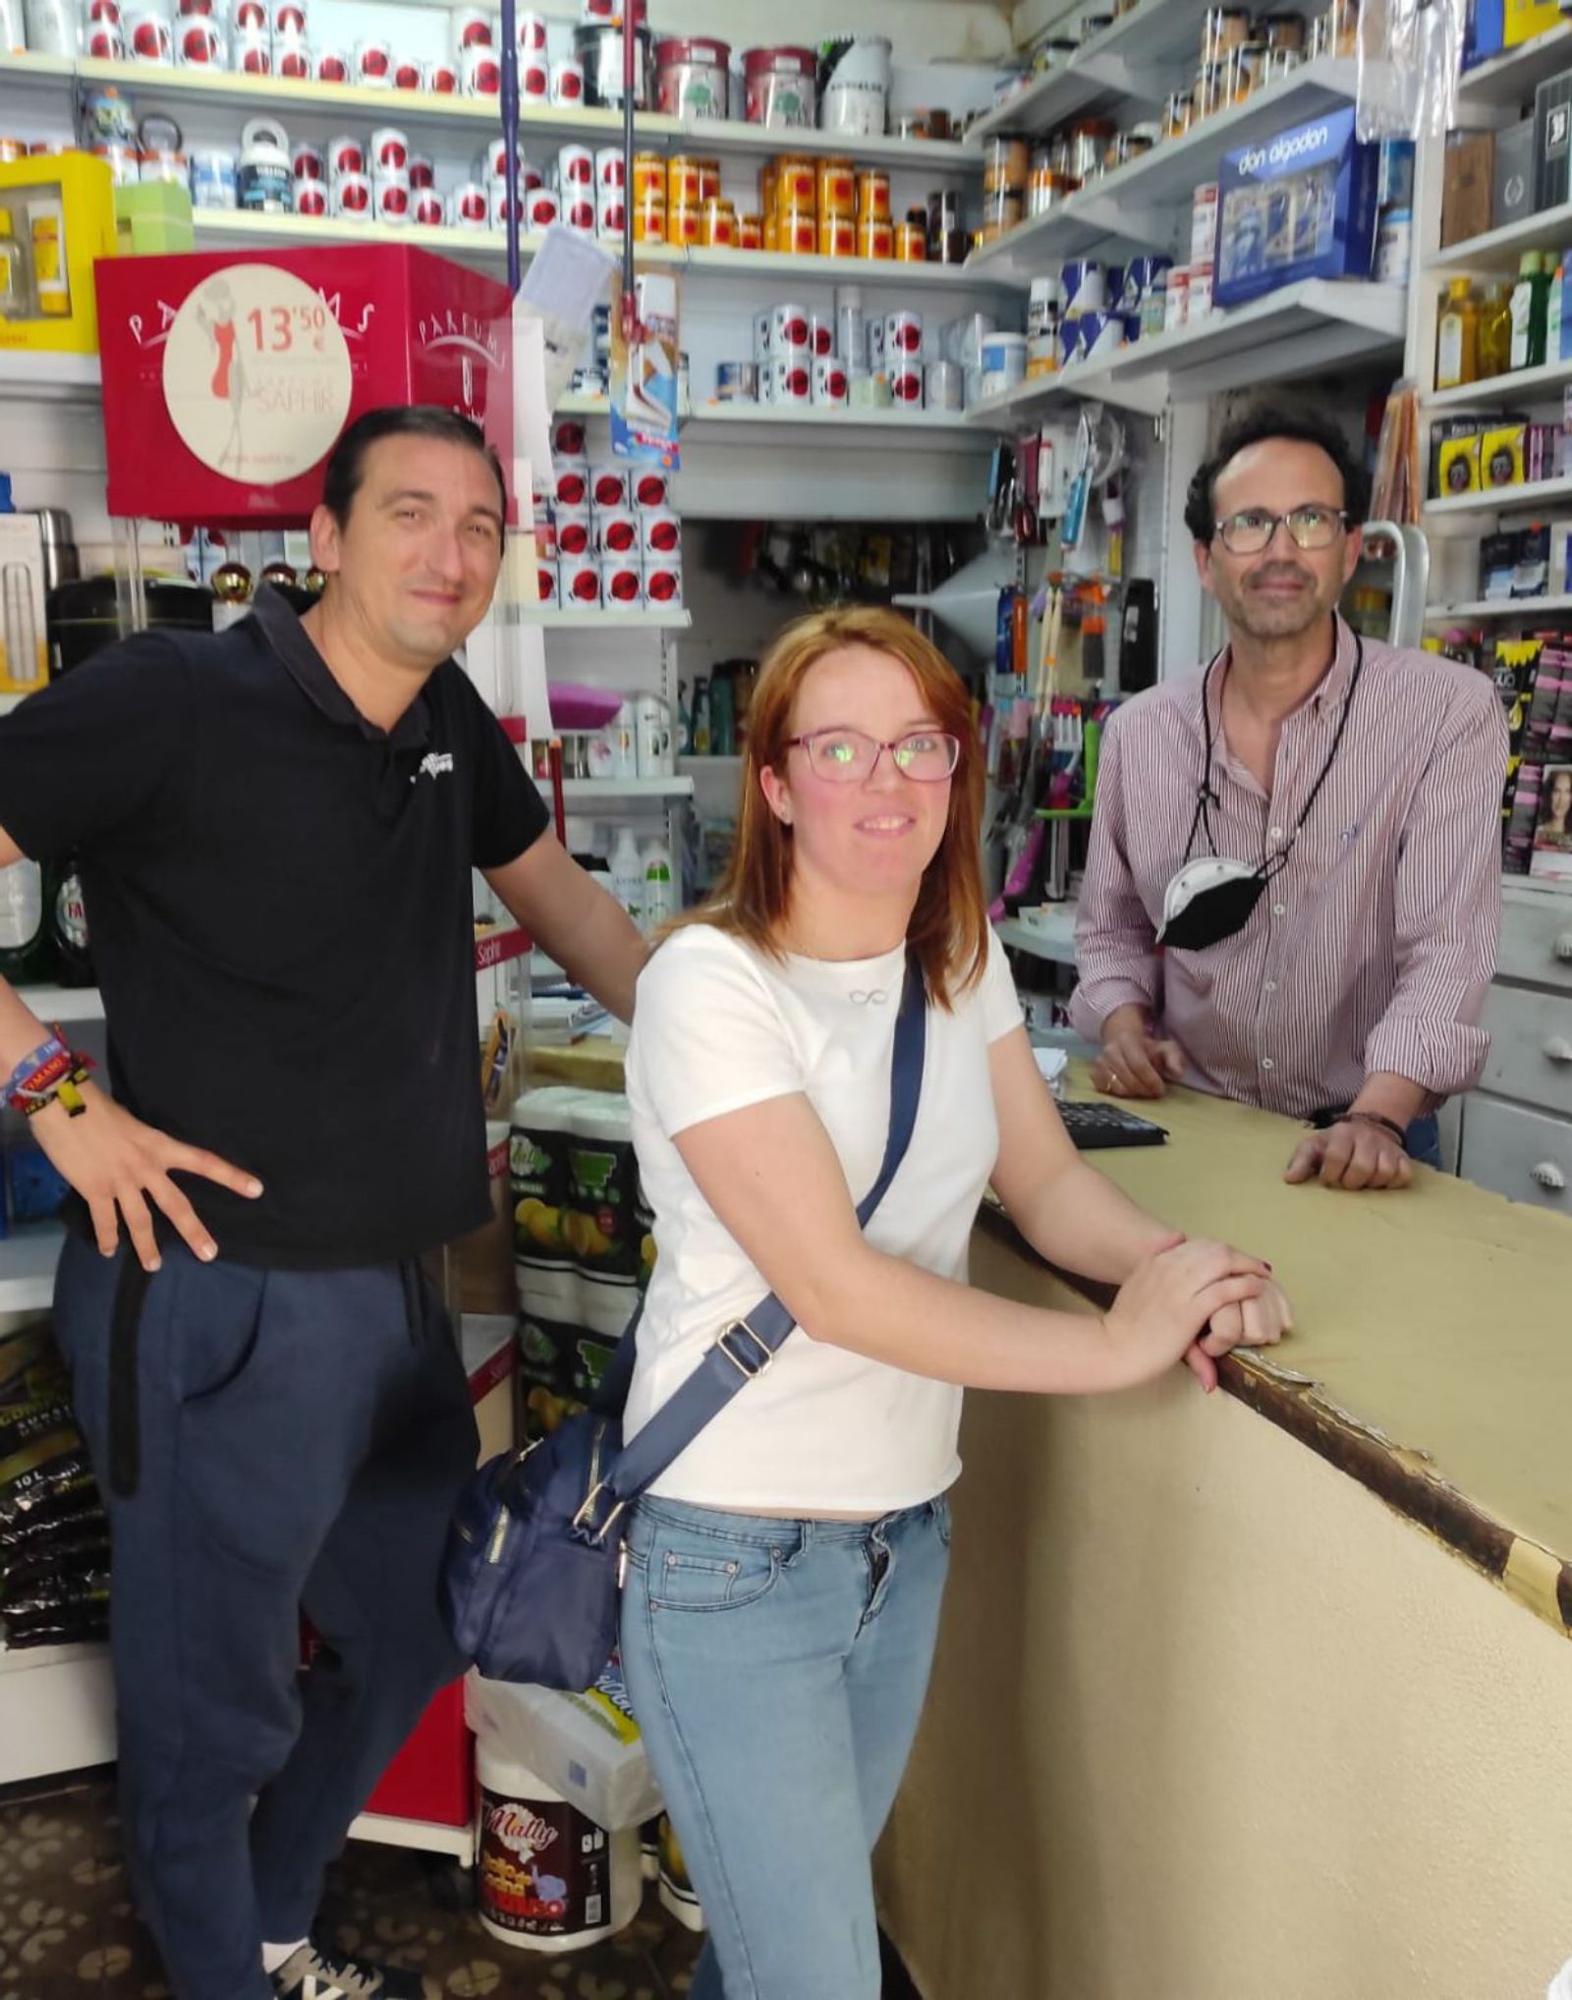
point(48, 378)
point(585, 791)
point(1510, 79)
point(1304, 329)
point(1049, 99)
point(731, 136)
point(556, 619)
point(772, 264)
point(932, 429)
point(20, 71)
point(1138, 203)
point(28, 1257)
point(1488, 609)
point(24, 1659)
point(1499, 249)
point(64, 1003)
point(1501, 499)
point(1521, 385)
point(57, 1711)
point(1053, 939)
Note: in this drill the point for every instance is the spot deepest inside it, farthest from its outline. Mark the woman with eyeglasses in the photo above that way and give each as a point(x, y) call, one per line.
point(784, 1575)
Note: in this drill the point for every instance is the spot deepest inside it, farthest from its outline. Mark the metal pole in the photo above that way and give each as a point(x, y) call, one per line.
point(510, 135)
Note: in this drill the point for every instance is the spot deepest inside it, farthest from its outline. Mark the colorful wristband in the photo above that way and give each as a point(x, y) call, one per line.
point(31, 1064)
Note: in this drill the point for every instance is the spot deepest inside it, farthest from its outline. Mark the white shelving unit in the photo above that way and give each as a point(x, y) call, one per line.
point(28, 1257)
point(1501, 500)
point(1489, 610)
point(1051, 938)
point(38, 377)
point(1522, 385)
point(1510, 78)
point(64, 1003)
point(56, 1710)
point(590, 792)
point(1497, 251)
point(555, 619)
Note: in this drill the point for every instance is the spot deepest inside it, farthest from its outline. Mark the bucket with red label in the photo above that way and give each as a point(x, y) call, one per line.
point(617, 531)
point(621, 581)
point(574, 536)
point(469, 207)
point(374, 62)
point(608, 482)
point(662, 581)
point(580, 581)
point(650, 487)
point(661, 531)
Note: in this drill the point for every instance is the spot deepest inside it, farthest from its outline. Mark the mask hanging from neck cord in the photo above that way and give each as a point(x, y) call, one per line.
point(1212, 899)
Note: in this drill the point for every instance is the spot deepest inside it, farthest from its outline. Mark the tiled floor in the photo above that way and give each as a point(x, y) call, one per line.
point(68, 1931)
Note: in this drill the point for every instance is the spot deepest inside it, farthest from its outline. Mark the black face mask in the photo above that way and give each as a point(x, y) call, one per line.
point(1221, 909)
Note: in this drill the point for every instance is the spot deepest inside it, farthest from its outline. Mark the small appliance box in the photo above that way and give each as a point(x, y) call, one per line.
point(60, 216)
point(1299, 205)
point(229, 376)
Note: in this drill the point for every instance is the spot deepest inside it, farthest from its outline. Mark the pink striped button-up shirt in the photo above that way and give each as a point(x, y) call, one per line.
point(1373, 947)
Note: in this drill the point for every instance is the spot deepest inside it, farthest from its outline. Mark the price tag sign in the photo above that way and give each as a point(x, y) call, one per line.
point(257, 376)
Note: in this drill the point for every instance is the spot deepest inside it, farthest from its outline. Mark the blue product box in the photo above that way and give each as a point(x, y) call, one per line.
point(1484, 31)
point(1299, 205)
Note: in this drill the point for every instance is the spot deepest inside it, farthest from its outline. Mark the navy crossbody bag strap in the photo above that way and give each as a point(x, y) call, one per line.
point(747, 1346)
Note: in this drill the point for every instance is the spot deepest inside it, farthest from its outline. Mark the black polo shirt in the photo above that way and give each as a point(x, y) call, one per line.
point(279, 898)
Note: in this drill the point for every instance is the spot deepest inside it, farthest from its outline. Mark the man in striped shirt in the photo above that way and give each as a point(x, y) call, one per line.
point(1364, 780)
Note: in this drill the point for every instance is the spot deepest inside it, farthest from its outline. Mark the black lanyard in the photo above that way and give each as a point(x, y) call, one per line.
point(1201, 820)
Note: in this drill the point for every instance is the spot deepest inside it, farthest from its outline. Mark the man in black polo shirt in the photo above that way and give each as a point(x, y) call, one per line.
point(275, 829)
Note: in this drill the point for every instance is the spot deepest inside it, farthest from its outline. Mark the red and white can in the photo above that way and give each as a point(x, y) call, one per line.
point(250, 14)
point(648, 486)
point(617, 532)
point(821, 333)
point(906, 382)
point(308, 163)
point(621, 582)
point(567, 81)
point(289, 18)
point(426, 206)
point(608, 482)
point(579, 581)
point(422, 171)
point(291, 58)
point(108, 10)
point(611, 214)
point(575, 167)
point(574, 537)
point(791, 379)
point(829, 379)
point(541, 209)
point(610, 168)
point(546, 578)
point(480, 72)
point(530, 27)
point(332, 65)
point(311, 197)
point(902, 336)
point(391, 195)
point(578, 210)
point(601, 10)
point(570, 483)
point(201, 44)
point(569, 436)
point(534, 75)
point(661, 531)
point(442, 77)
point(409, 72)
point(469, 206)
point(545, 534)
point(102, 10)
point(351, 196)
point(374, 63)
point(790, 329)
point(251, 52)
point(662, 580)
point(530, 176)
point(104, 41)
point(389, 150)
point(149, 37)
point(471, 29)
point(345, 155)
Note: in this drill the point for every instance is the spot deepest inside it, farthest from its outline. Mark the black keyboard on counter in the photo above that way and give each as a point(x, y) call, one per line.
point(1092, 1126)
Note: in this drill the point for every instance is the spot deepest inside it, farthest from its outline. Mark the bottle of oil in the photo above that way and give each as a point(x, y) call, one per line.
point(1495, 332)
point(1457, 337)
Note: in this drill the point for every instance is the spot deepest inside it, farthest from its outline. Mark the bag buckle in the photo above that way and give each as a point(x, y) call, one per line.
point(747, 1364)
point(584, 1519)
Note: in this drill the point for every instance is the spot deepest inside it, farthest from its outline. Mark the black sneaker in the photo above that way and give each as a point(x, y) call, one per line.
point(314, 1974)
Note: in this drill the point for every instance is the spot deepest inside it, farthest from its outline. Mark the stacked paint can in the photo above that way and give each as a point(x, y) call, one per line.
point(805, 357)
point(606, 535)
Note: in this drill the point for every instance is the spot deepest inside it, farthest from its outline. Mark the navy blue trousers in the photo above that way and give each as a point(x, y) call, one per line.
point(268, 1442)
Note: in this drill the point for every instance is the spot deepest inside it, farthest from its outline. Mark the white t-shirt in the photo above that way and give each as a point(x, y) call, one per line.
point(718, 1026)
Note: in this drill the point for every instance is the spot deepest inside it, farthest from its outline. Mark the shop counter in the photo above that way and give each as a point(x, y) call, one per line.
point(1264, 1695)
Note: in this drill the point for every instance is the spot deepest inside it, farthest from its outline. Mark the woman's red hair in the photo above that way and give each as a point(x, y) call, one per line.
point(949, 924)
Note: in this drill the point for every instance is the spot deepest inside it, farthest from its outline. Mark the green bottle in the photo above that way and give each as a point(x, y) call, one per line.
point(1530, 311)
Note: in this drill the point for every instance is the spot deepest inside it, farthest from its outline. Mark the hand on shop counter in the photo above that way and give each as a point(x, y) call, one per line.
point(1257, 1322)
point(1134, 1063)
point(1168, 1303)
point(1354, 1153)
point(117, 1165)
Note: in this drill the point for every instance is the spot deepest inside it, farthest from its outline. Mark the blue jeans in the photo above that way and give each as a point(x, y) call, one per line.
point(1423, 1143)
point(777, 1669)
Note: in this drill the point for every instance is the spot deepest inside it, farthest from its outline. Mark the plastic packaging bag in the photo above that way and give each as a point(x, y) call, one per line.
point(1410, 53)
point(585, 1746)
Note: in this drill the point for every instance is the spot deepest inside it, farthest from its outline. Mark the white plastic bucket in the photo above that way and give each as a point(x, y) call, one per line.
point(549, 1879)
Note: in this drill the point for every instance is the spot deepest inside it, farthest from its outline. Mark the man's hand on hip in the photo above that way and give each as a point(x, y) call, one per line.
point(117, 1165)
point(1354, 1153)
point(1134, 1063)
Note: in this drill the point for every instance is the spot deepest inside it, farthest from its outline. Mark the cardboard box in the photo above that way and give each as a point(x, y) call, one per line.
point(1522, 20)
point(1456, 445)
point(63, 215)
point(153, 219)
point(1513, 177)
point(1299, 205)
point(1503, 452)
point(1553, 140)
point(228, 376)
point(1466, 178)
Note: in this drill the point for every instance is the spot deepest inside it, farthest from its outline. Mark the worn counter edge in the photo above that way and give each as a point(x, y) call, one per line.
point(1535, 1577)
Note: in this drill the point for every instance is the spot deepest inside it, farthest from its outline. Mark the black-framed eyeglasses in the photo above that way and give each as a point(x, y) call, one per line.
point(1251, 530)
point(847, 756)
